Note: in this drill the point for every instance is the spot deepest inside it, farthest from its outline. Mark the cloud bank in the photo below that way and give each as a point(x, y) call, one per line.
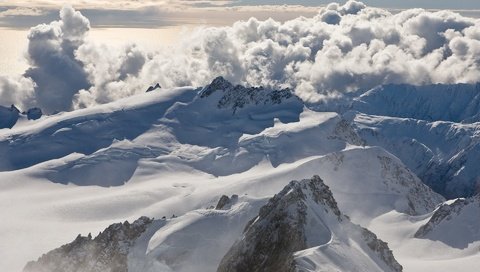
point(343, 48)
point(55, 69)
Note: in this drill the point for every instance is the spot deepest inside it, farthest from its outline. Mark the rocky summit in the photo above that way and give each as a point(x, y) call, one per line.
point(304, 217)
point(107, 252)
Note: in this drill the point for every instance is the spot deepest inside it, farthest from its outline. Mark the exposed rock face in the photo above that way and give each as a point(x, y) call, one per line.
point(226, 202)
point(272, 237)
point(439, 215)
point(153, 88)
point(382, 249)
point(34, 113)
point(433, 129)
point(238, 96)
point(345, 131)
point(420, 198)
point(219, 83)
point(303, 215)
point(8, 116)
point(454, 222)
point(107, 252)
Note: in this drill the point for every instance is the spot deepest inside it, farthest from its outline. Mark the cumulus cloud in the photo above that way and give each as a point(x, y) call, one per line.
point(343, 48)
point(57, 73)
point(113, 73)
point(17, 91)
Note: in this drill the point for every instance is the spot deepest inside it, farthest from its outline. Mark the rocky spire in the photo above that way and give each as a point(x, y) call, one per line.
point(107, 252)
point(284, 227)
point(238, 96)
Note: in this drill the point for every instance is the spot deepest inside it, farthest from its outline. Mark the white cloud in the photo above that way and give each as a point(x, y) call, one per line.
point(341, 49)
point(57, 73)
point(22, 11)
point(17, 91)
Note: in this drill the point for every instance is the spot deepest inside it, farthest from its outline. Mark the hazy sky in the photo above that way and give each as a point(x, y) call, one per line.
point(166, 13)
point(328, 51)
point(433, 4)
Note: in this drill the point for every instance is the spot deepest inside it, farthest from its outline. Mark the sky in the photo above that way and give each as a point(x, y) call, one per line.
point(94, 52)
point(166, 13)
point(434, 4)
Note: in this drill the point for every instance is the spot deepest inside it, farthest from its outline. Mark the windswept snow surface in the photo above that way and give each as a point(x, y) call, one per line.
point(440, 102)
point(177, 151)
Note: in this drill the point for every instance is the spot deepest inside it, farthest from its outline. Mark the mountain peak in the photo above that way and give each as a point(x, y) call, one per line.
point(313, 188)
point(219, 83)
point(278, 231)
point(106, 252)
point(300, 221)
point(153, 88)
point(238, 96)
point(454, 222)
point(34, 113)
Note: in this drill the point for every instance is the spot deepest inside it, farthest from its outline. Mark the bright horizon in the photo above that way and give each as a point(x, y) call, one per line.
point(162, 13)
point(169, 43)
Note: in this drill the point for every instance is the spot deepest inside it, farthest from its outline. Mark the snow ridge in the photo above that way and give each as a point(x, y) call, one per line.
point(426, 102)
point(105, 253)
point(305, 215)
point(454, 223)
point(235, 97)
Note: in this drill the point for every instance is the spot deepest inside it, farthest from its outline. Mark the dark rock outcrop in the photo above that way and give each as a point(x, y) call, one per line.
point(107, 252)
point(237, 97)
point(153, 88)
point(274, 235)
point(454, 223)
point(382, 249)
point(219, 83)
point(283, 227)
point(34, 113)
point(226, 202)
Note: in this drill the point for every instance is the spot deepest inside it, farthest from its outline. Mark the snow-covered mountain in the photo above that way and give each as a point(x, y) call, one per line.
point(10, 116)
point(107, 252)
point(442, 154)
point(178, 151)
point(433, 129)
point(458, 103)
point(454, 223)
point(302, 229)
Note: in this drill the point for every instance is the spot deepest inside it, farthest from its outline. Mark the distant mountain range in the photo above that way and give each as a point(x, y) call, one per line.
point(383, 161)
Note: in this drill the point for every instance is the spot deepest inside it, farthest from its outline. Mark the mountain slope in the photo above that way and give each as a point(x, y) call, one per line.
point(441, 102)
point(442, 154)
point(366, 181)
point(106, 252)
point(177, 151)
point(304, 215)
point(433, 129)
point(85, 131)
point(454, 223)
